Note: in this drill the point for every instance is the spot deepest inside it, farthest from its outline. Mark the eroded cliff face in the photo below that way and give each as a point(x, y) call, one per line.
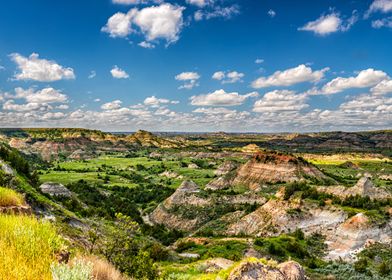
point(364, 187)
point(354, 235)
point(253, 172)
point(280, 216)
point(268, 167)
point(345, 236)
point(189, 208)
point(52, 144)
point(254, 269)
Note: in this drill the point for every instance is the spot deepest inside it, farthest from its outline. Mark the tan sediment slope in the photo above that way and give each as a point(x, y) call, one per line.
point(273, 167)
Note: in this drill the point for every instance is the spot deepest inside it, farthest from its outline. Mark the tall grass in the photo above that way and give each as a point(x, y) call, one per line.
point(102, 269)
point(10, 197)
point(27, 248)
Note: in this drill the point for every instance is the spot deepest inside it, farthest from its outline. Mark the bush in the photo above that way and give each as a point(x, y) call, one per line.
point(292, 188)
point(27, 247)
point(10, 197)
point(123, 248)
point(79, 270)
point(361, 265)
point(384, 268)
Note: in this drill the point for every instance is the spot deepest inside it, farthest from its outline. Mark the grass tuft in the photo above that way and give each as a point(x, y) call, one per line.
point(10, 197)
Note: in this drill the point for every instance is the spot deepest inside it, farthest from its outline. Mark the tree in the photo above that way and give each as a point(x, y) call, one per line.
point(122, 247)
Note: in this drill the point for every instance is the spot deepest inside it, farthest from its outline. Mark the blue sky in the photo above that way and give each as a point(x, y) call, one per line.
point(196, 65)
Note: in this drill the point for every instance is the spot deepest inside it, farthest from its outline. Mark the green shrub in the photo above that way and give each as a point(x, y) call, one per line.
point(79, 270)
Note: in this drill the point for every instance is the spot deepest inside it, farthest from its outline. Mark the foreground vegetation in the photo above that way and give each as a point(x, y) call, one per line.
point(28, 247)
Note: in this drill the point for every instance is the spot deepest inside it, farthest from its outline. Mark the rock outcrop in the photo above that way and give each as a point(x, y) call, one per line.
point(185, 195)
point(345, 237)
point(364, 187)
point(16, 210)
point(6, 168)
point(217, 264)
point(189, 208)
point(271, 167)
point(55, 189)
point(354, 234)
point(292, 270)
point(225, 168)
point(219, 183)
point(80, 154)
point(254, 269)
point(279, 216)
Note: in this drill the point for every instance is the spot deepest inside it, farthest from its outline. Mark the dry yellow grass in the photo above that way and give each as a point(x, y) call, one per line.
point(102, 269)
point(27, 248)
point(10, 197)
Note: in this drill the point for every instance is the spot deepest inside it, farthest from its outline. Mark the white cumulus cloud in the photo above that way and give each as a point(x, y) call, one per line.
point(292, 76)
point(42, 70)
point(116, 104)
point(164, 21)
point(118, 73)
point(190, 79)
point(383, 6)
point(281, 100)
point(119, 25)
point(156, 102)
point(198, 3)
point(229, 77)
point(331, 23)
point(221, 98)
point(365, 78)
point(384, 87)
point(45, 95)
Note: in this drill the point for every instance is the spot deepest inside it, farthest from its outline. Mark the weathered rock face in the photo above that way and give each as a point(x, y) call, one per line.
point(344, 236)
point(173, 212)
point(6, 168)
point(55, 189)
point(184, 195)
point(79, 154)
point(219, 183)
point(364, 187)
point(162, 216)
point(169, 174)
point(278, 216)
point(354, 234)
point(255, 270)
point(225, 168)
point(269, 167)
point(16, 210)
point(292, 270)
